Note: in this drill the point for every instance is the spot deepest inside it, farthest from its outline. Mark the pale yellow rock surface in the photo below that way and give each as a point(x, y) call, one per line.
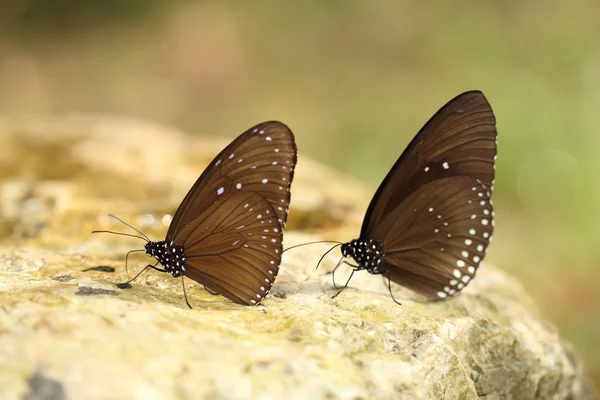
point(68, 333)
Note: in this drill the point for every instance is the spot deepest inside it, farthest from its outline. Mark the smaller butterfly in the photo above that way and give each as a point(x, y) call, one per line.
point(227, 233)
point(430, 222)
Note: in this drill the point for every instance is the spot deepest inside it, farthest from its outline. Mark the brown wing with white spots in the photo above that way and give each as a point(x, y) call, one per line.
point(261, 161)
point(436, 239)
point(459, 140)
point(234, 247)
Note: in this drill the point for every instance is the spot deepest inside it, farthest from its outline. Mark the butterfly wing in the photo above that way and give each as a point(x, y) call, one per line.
point(459, 140)
point(234, 247)
point(435, 240)
point(260, 160)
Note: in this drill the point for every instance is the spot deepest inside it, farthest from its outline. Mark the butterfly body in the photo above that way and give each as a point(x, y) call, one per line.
point(368, 254)
point(227, 232)
point(430, 221)
point(169, 255)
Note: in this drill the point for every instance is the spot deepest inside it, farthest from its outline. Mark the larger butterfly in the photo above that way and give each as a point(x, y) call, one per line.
point(431, 220)
point(227, 233)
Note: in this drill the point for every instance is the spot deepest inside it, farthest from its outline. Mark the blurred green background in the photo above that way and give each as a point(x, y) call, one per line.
point(355, 80)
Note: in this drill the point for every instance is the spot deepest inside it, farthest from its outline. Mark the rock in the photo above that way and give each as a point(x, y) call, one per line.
point(67, 330)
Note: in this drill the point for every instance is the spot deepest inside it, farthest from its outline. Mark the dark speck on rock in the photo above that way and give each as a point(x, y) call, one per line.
point(100, 268)
point(124, 285)
point(43, 388)
point(62, 278)
point(88, 291)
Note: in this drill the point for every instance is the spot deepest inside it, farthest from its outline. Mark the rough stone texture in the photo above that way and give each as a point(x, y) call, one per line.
point(66, 330)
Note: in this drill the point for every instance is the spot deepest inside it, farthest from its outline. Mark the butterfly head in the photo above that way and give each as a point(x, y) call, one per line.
point(348, 249)
point(151, 248)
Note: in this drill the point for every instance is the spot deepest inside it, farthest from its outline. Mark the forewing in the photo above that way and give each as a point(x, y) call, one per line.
point(261, 160)
point(234, 247)
point(459, 140)
point(436, 239)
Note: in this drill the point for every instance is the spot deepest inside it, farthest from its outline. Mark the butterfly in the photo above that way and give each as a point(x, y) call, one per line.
point(227, 232)
point(430, 222)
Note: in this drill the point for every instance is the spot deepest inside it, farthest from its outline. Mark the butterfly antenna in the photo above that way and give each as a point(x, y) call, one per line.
point(305, 244)
point(125, 223)
point(122, 234)
point(345, 286)
point(327, 252)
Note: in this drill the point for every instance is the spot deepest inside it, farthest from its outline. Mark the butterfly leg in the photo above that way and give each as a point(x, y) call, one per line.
point(184, 293)
point(127, 257)
point(333, 272)
point(345, 286)
point(124, 284)
point(354, 268)
point(390, 289)
point(210, 291)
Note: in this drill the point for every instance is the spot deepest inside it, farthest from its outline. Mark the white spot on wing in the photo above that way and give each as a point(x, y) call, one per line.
point(220, 190)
